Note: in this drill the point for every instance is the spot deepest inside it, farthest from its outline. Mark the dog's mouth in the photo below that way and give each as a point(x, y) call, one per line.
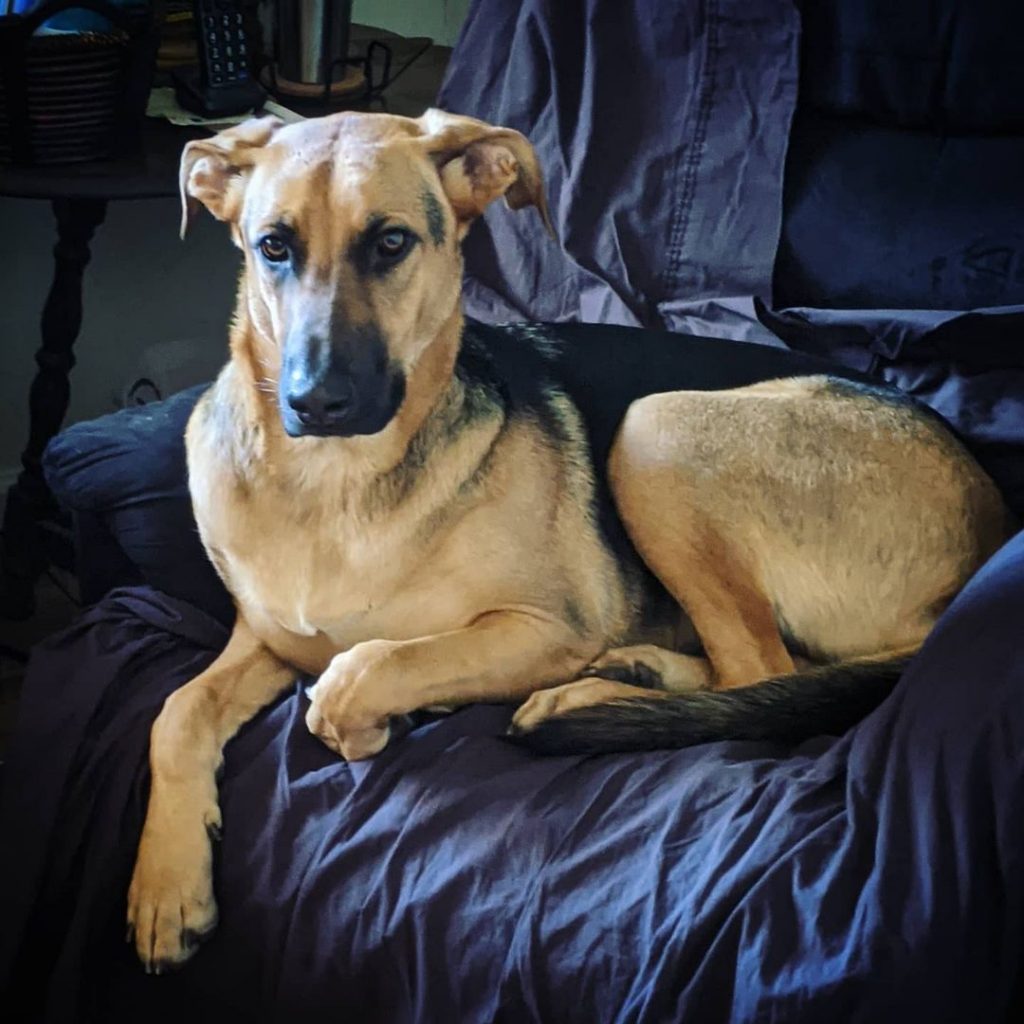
point(370, 410)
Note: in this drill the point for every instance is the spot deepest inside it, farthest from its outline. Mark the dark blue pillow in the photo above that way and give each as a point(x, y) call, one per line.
point(127, 471)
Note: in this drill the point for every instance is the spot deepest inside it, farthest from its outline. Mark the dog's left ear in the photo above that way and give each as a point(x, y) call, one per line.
point(479, 162)
point(212, 170)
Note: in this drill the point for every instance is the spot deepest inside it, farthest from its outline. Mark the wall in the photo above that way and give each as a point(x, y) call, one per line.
point(438, 19)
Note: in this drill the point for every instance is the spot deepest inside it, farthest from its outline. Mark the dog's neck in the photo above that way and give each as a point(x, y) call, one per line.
point(263, 447)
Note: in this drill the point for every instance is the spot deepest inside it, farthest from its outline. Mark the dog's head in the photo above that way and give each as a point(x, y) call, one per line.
point(351, 228)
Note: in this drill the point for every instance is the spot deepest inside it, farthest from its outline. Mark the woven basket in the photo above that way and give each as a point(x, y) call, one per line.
point(74, 96)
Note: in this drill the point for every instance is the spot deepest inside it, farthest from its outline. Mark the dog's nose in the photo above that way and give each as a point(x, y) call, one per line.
point(316, 404)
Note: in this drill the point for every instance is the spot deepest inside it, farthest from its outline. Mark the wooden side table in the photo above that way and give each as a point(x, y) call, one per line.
point(79, 194)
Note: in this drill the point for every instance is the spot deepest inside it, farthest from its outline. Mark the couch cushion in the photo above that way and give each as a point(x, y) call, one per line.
point(906, 156)
point(938, 65)
point(879, 217)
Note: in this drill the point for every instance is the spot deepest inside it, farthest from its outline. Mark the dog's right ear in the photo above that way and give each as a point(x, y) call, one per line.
point(213, 170)
point(478, 162)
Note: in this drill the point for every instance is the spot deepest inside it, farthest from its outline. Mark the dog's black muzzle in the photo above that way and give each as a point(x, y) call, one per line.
point(325, 392)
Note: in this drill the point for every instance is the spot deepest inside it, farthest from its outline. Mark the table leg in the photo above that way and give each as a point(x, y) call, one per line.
point(29, 501)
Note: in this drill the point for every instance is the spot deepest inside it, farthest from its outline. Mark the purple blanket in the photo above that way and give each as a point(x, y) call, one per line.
point(456, 878)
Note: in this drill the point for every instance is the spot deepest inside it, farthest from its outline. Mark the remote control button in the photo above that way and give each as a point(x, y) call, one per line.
point(231, 67)
point(217, 67)
point(229, 51)
point(218, 79)
point(208, 20)
point(243, 75)
point(238, 18)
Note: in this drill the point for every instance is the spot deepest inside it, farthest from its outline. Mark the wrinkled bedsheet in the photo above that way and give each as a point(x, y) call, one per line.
point(458, 878)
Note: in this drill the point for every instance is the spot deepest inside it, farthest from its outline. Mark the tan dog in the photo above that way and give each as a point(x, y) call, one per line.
point(416, 513)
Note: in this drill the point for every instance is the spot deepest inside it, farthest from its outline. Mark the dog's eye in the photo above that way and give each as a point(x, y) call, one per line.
point(392, 244)
point(274, 249)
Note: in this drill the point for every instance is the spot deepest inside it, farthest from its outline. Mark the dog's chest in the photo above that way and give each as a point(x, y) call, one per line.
point(350, 586)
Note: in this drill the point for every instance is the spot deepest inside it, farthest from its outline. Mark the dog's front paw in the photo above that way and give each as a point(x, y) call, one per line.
point(349, 705)
point(171, 907)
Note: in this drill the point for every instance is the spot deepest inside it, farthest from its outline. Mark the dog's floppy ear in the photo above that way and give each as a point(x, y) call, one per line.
point(478, 162)
point(212, 170)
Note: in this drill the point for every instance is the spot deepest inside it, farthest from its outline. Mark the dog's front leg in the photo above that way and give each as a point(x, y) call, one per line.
point(503, 655)
point(170, 901)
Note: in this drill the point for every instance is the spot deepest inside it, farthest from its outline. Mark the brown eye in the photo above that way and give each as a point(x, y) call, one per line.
point(392, 244)
point(274, 249)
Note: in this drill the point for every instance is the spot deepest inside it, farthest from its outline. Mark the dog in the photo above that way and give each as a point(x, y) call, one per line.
point(422, 513)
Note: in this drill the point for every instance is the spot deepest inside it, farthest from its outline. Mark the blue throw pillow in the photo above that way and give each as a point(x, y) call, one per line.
point(127, 470)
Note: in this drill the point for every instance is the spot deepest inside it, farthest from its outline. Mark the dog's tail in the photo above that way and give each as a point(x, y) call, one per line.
point(826, 700)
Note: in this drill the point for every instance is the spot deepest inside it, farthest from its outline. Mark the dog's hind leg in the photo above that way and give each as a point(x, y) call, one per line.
point(645, 670)
point(170, 900)
point(667, 498)
point(731, 613)
point(575, 696)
